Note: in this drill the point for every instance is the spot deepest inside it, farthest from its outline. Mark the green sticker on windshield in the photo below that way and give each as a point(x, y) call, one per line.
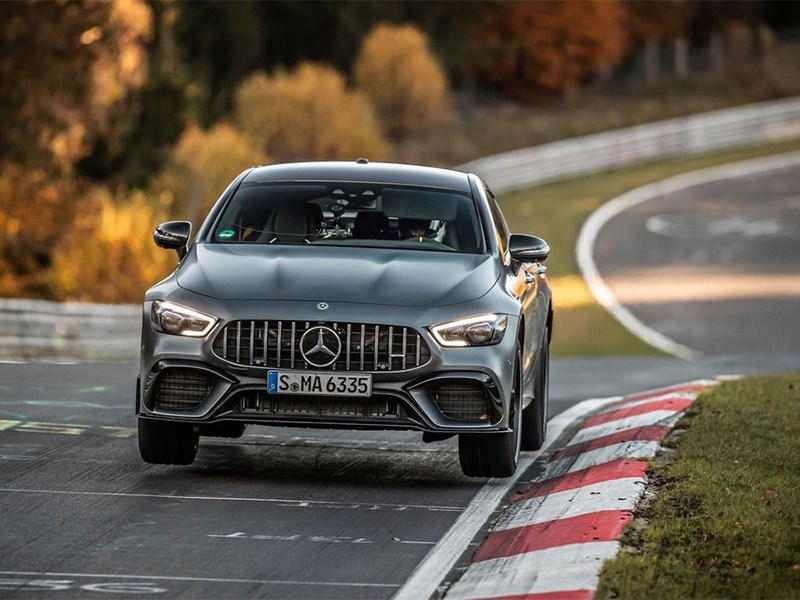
point(226, 234)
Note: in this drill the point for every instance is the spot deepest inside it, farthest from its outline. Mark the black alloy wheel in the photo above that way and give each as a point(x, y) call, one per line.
point(534, 416)
point(496, 454)
point(163, 443)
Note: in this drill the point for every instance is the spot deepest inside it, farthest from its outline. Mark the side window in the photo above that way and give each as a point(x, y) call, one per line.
point(500, 225)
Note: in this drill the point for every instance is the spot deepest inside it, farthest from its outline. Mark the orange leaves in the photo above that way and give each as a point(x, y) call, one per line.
point(397, 71)
point(552, 45)
point(202, 164)
point(108, 255)
point(307, 114)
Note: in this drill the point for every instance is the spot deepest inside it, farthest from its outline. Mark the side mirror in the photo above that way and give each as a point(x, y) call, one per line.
point(173, 235)
point(528, 248)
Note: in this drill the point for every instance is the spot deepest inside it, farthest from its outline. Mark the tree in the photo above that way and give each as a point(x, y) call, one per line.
point(201, 166)
point(121, 261)
point(551, 45)
point(398, 73)
point(662, 20)
point(220, 43)
point(307, 114)
point(63, 66)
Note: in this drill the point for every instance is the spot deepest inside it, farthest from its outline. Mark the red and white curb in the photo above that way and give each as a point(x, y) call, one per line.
point(553, 539)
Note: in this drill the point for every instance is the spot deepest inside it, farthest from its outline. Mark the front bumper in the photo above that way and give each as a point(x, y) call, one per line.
point(458, 390)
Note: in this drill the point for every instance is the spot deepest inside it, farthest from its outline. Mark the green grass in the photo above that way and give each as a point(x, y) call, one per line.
point(556, 212)
point(725, 520)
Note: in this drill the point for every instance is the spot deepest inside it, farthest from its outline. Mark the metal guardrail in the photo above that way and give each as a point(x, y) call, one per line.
point(695, 134)
point(39, 329)
point(34, 329)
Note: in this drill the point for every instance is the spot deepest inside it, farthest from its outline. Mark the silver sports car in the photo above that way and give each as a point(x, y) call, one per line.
point(349, 295)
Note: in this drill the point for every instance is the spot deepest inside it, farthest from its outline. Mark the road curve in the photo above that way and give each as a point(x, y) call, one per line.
point(713, 265)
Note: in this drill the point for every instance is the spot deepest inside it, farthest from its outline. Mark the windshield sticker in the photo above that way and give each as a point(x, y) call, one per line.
point(226, 234)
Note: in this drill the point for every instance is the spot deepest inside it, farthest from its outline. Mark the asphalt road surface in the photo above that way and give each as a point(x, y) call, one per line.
point(714, 267)
point(281, 513)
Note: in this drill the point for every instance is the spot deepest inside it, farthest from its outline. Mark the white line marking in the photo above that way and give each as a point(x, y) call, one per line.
point(584, 251)
point(440, 560)
point(617, 494)
point(656, 417)
point(632, 449)
point(565, 568)
point(280, 501)
point(681, 396)
point(201, 579)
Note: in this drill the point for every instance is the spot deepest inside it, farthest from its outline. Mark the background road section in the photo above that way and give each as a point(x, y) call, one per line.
point(714, 267)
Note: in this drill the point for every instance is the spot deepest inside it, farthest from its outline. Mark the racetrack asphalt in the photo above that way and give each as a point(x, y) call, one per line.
point(714, 267)
point(281, 513)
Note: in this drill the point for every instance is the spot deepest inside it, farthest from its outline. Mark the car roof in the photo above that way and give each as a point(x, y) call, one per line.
point(362, 172)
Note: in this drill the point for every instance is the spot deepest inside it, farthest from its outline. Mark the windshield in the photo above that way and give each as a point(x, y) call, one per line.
point(351, 214)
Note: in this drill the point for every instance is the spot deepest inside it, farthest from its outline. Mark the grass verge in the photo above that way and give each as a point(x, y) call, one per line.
point(556, 211)
point(725, 519)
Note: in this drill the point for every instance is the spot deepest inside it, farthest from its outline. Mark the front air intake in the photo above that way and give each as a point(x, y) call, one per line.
point(181, 388)
point(462, 400)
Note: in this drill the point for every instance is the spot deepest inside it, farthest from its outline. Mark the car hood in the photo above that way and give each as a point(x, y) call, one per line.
point(337, 274)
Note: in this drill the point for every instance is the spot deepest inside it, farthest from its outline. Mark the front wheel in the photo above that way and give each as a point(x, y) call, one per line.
point(534, 416)
point(164, 443)
point(495, 454)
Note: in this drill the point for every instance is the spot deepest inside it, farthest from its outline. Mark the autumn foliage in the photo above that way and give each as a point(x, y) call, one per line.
point(397, 71)
point(116, 114)
point(108, 254)
point(36, 211)
point(307, 114)
point(551, 45)
point(202, 164)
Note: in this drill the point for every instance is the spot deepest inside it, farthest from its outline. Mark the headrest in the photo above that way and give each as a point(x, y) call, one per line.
point(420, 204)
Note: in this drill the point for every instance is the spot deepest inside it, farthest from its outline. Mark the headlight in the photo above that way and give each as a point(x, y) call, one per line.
point(168, 317)
point(480, 330)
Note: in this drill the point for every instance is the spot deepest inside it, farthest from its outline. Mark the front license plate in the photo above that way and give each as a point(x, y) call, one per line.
point(318, 384)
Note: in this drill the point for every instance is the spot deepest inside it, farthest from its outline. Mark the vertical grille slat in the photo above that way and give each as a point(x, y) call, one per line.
point(377, 349)
point(252, 341)
point(405, 356)
point(391, 346)
point(266, 342)
point(361, 345)
point(365, 347)
point(291, 352)
point(348, 346)
point(238, 341)
point(280, 343)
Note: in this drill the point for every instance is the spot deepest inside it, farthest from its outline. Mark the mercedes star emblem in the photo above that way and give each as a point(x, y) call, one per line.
point(320, 346)
point(322, 306)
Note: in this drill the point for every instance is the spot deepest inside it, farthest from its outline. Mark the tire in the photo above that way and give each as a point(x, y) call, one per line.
point(534, 416)
point(163, 443)
point(223, 430)
point(495, 454)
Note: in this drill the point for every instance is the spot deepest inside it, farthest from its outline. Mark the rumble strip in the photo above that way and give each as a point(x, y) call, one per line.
point(553, 539)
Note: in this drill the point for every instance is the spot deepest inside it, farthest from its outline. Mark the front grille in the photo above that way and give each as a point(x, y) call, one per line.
point(462, 400)
point(317, 406)
point(365, 347)
point(181, 388)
